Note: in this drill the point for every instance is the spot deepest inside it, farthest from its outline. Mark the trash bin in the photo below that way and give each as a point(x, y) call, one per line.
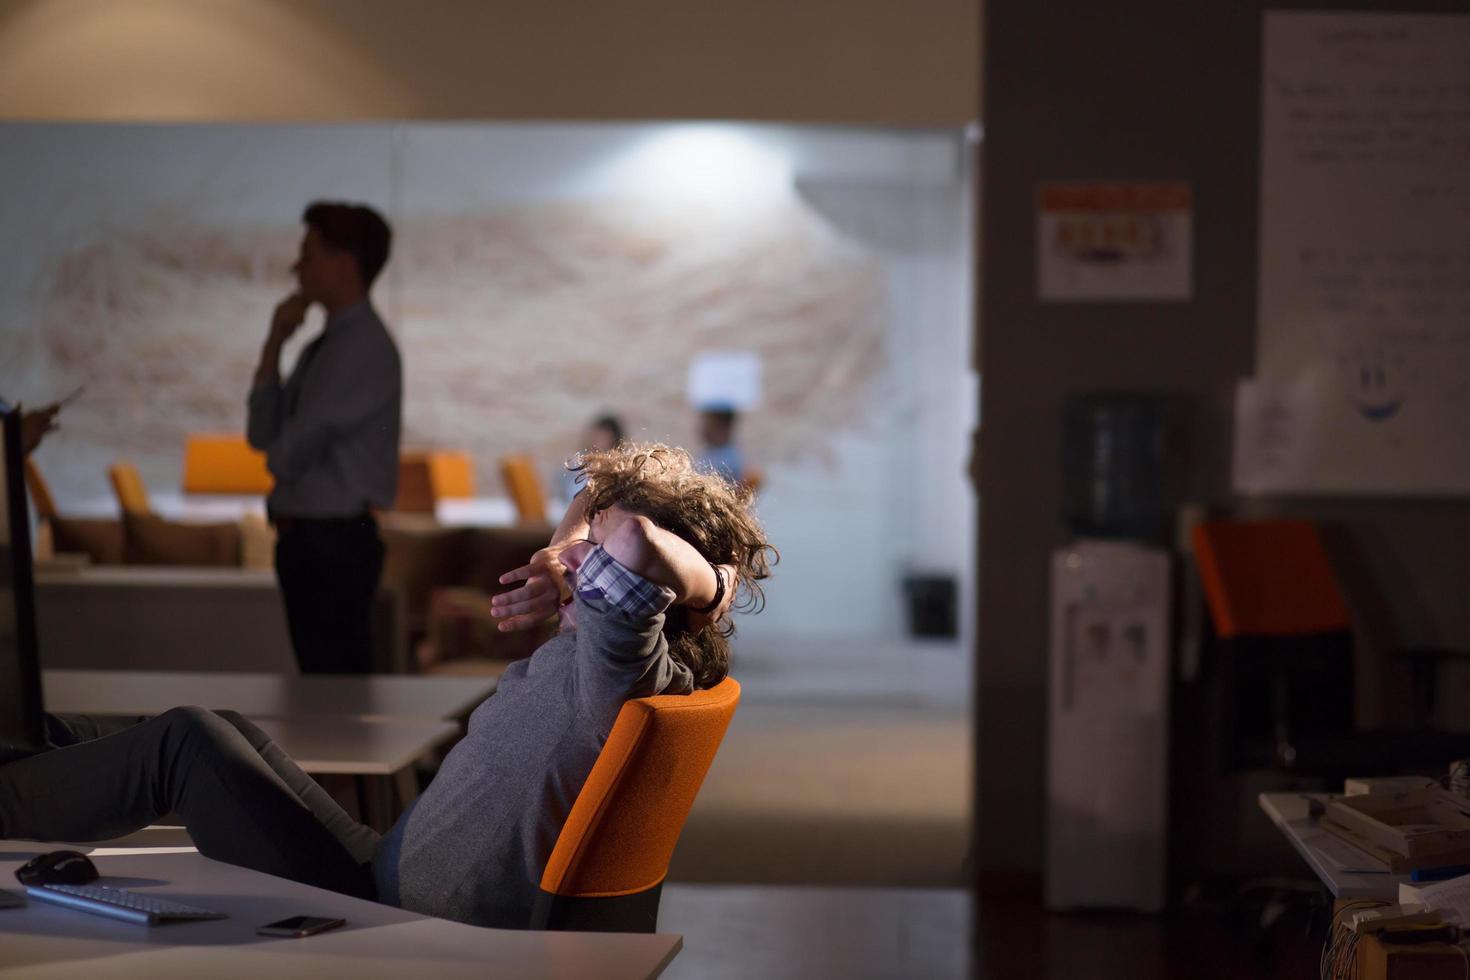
point(933, 602)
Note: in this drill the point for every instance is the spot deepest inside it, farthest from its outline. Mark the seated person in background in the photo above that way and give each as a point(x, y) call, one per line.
point(720, 455)
point(605, 433)
point(642, 572)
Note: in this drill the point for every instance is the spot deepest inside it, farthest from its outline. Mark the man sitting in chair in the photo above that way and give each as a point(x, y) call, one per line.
point(642, 572)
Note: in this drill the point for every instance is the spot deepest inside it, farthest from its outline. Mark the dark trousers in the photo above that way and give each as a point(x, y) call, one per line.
point(242, 799)
point(329, 571)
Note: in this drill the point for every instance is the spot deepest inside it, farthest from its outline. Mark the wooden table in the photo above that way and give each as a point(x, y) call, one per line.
point(369, 697)
point(44, 941)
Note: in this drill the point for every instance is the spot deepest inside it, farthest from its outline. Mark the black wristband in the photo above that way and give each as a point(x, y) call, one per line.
point(719, 592)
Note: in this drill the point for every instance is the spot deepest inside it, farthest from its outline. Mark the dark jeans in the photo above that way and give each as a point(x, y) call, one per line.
point(329, 571)
point(242, 799)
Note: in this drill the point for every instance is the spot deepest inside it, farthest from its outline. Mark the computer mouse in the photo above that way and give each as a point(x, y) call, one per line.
point(57, 868)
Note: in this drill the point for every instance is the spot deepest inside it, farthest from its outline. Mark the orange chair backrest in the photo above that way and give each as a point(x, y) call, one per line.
point(524, 487)
point(1268, 578)
point(128, 486)
point(40, 492)
point(451, 474)
point(621, 832)
point(224, 464)
point(415, 484)
point(426, 477)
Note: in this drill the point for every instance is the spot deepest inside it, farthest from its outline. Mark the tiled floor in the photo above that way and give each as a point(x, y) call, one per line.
point(735, 932)
point(829, 839)
point(1211, 939)
point(847, 765)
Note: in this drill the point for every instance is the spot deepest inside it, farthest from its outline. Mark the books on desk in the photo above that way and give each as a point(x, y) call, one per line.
point(1409, 831)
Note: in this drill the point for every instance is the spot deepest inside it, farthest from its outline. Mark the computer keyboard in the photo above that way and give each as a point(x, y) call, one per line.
point(143, 910)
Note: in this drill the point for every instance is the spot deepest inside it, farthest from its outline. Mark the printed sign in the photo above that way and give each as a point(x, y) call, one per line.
point(1115, 241)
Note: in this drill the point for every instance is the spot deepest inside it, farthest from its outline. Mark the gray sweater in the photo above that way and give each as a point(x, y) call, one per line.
point(474, 845)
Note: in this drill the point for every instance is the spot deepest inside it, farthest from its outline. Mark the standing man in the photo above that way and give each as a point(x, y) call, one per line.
point(330, 434)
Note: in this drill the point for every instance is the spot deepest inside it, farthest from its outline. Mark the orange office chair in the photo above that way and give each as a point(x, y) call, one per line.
point(224, 464)
point(415, 484)
point(607, 870)
point(519, 472)
point(1274, 693)
point(452, 475)
point(1285, 664)
point(129, 488)
point(1282, 620)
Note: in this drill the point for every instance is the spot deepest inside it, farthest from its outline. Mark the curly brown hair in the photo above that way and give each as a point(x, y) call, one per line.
point(660, 483)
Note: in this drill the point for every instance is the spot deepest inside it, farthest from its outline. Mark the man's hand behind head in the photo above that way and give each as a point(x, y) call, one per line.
point(538, 599)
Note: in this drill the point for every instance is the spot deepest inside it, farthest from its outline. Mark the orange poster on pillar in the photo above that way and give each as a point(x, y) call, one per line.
point(1124, 241)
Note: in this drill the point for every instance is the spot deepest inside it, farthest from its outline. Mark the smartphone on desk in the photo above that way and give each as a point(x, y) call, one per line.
point(298, 926)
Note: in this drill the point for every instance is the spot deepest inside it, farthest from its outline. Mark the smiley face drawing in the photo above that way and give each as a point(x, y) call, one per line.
point(1376, 381)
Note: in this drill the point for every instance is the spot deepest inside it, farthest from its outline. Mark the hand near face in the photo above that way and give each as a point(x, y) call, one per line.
point(542, 594)
point(34, 426)
point(290, 313)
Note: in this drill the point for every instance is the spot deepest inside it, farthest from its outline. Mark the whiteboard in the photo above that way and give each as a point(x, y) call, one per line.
point(1363, 327)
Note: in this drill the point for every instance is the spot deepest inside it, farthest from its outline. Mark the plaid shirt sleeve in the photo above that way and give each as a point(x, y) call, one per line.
point(602, 577)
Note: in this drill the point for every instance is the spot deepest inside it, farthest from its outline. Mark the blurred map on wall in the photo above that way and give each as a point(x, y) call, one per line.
point(528, 291)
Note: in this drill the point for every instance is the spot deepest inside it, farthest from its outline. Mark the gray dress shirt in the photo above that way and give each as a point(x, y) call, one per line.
point(330, 433)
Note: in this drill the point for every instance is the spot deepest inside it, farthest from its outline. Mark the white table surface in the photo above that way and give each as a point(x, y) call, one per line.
point(1290, 812)
point(351, 747)
point(371, 697)
point(45, 941)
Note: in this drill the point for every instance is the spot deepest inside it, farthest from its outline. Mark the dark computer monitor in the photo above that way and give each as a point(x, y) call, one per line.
point(22, 724)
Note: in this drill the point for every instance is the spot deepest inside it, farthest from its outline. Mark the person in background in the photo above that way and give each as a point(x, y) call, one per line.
point(35, 424)
point(605, 433)
point(331, 438)
point(720, 455)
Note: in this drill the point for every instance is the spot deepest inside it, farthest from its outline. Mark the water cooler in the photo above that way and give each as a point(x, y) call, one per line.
point(1108, 721)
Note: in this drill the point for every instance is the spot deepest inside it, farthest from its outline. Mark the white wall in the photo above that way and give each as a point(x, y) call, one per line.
point(541, 273)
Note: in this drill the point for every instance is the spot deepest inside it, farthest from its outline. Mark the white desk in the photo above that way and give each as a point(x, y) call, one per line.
point(370, 697)
point(44, 941)
point(348, 746)
point(1290, 813)
point(329, 724)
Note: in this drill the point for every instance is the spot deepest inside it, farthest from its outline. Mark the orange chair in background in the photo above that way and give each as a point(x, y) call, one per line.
point(451, 475)
point(524, 486)
point(415, 484)
point(1268, 578)
point(224, 464)
point(427, 477)
point(129, 488)
point(1284, 663)
point(607, 869)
